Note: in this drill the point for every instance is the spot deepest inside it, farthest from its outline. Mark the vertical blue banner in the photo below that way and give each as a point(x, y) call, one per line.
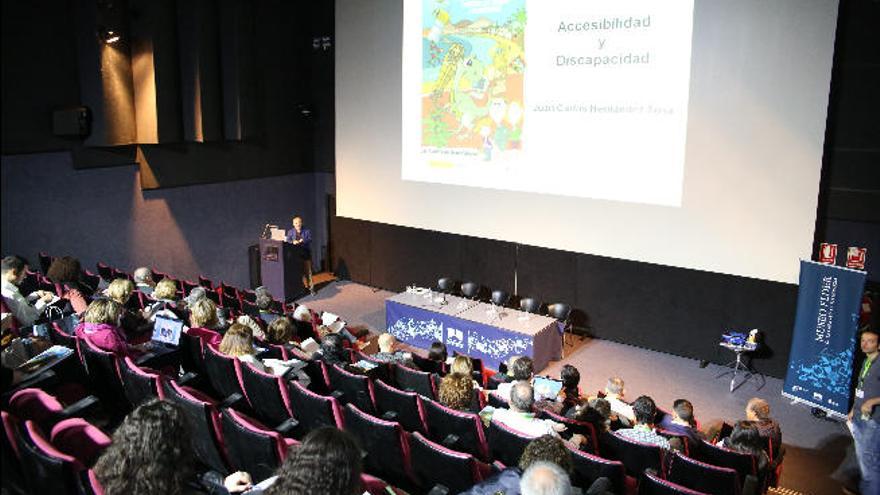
point(821, 359)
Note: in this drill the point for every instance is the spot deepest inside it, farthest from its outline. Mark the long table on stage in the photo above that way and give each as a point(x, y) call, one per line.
point(473, 328)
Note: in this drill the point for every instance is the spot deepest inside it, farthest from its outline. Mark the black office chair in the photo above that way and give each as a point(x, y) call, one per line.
point(500, 297)
point(470, 290)
point(562, 312)
point(529, 305)
point(446, 285)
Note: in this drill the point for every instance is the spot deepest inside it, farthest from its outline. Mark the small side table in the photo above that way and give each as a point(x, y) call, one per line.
point(740, 364)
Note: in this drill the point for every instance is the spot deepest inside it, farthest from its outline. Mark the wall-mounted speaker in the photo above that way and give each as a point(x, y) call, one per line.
point(76, 121)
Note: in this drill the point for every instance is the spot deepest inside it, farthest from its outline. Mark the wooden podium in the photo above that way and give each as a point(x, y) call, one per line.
point(281, 269)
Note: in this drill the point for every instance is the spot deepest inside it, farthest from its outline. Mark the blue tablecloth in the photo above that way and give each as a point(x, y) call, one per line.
point(538, 337)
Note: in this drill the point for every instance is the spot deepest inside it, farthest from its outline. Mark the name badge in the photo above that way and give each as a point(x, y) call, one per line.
point(860, 394)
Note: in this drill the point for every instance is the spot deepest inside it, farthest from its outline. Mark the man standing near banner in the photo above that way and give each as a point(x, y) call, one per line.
point(864, 418)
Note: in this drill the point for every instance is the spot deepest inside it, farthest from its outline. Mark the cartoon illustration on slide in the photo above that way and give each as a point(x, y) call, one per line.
point(473, 66)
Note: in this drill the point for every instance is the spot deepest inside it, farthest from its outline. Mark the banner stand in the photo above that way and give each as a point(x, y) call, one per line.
point(824, 338)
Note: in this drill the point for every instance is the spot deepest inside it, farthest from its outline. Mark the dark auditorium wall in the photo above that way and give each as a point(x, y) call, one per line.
point(850, 188)
point(674, 310)
point(259, 51)
point(102, 215)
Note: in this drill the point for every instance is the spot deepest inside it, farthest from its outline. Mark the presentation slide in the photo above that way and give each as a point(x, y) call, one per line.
point(688, 133)
point(501, 94)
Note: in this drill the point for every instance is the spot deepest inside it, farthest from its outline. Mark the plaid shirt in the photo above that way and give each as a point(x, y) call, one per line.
point(644, 434)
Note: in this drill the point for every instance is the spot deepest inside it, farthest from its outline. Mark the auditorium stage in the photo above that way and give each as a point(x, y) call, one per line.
point(814, 447)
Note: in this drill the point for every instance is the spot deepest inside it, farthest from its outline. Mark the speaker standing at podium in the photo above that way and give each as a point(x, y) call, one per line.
point(302, 237)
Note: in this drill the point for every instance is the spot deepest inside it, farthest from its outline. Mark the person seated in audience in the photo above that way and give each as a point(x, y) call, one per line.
point(238, 342)
point(135, 325)
point(100, 326)
point(203, 320)
point(389, 354)
point(545, 478)
point(521, 370)
point(620, 410)
point(327, 463)
point(682, 423)
point(332, 351)
point(570, 395)
point(302, 313)
point(521, 418)
point(152, 453)
point(746, 438)
point(437, 352)
point(545, 448)
point(27, 310)
point(143, 280)
point(218, 321)
point(67, 273)
point(458, 390)
point(643, 429)
point(758, 410)
point(263, 301)
point(280, 331)
point(302, 321)
point(596, 411)
point(327, 326)
point(463, 365)
point(253, 325)
point(120, 290)
point(165, 297)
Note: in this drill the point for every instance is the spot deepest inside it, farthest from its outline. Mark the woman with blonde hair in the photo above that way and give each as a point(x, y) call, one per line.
point(165, 295)
point(137, 327)
point(458, 389)
point(120, 290)
point(100, 326)
point(203, 314)
point(203, 321)
point(238, 342)
point(464, 366)
point(166, 290)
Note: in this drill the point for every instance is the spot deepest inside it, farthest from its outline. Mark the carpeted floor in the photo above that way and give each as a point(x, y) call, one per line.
point(814, 447)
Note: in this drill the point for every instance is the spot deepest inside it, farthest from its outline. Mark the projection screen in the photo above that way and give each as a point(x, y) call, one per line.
point(685, 133)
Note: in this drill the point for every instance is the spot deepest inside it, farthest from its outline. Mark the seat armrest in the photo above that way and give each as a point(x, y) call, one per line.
point(287, 427)
point(144, 358)
point(450, 441)
point(231, 400)
point(390, 416)
point(43, 380)
point(79, 407)
point(188, 378)
point(290, 374)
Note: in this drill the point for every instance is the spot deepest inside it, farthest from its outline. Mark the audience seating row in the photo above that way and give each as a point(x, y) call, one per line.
point(411, 439)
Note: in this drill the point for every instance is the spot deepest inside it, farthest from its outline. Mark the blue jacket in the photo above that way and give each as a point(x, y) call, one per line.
point(305, 235)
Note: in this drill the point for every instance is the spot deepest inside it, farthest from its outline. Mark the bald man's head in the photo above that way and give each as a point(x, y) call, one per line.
point(544, 478)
